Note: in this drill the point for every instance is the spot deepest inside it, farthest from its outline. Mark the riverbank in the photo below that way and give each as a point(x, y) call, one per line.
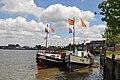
point(117, 54)
point(111, 64)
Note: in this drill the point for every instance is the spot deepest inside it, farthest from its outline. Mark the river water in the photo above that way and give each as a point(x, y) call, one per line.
point(21, 65)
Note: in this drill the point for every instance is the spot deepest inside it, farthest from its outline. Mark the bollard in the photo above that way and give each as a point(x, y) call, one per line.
point(113, 67)
point(104, 63)
point(68, 65)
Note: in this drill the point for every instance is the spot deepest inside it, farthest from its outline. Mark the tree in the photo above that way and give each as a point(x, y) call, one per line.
point(111, 11)
point(17, 45)
point(38, 46)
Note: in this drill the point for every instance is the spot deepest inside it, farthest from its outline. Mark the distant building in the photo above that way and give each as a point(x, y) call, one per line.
point(111, 47)
point(3, 47)
point(117, 47)
point(11, 46)
point(94, 46)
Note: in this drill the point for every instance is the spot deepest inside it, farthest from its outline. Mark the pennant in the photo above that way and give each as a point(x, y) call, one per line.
point(83, 23)
point(52, 30)
point(70, 30)
point(46, 30)
point(71, 22)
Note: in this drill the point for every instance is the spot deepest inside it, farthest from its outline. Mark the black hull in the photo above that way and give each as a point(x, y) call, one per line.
point(64, 64)
point(43, 63)
point(73, 66)
point(48, 63)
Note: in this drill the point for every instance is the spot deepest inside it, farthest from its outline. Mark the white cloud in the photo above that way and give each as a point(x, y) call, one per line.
point(20, 7)
point(58, 15)
point(20, 30)
point(91, 33)
point(56, 36)
point(24, 32)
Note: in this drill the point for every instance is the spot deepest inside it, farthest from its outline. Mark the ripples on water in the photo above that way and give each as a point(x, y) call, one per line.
point(21, 65)
point(17, 65)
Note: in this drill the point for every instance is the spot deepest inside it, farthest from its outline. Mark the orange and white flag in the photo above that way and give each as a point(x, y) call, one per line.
point(52, 30)
point(83, 23)
point(71, 22)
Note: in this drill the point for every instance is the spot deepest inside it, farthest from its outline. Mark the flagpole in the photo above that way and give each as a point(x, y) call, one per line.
point(47, 38)
point(74, 36)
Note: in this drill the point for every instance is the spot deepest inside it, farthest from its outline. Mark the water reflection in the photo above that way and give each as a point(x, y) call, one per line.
point(17, 65)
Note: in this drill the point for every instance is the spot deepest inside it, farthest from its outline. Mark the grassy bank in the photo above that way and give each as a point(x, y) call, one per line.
point(117, 54)
point(109, 53)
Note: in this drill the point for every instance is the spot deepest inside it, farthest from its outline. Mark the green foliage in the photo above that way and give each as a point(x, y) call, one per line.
point(111, 11)
point(111, 52)
point(112, 35)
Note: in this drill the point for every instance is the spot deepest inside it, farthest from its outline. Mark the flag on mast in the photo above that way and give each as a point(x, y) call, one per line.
point(83, 23)
point(71, 22)
point(70, 30)
point(52, 30)
point(46, 30)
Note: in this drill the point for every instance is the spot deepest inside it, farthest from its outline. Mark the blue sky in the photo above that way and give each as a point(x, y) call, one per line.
point(23, 21)
point(82, 4)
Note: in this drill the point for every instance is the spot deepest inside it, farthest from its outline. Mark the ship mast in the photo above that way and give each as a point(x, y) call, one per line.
point(74, 35)
point(46, 38)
